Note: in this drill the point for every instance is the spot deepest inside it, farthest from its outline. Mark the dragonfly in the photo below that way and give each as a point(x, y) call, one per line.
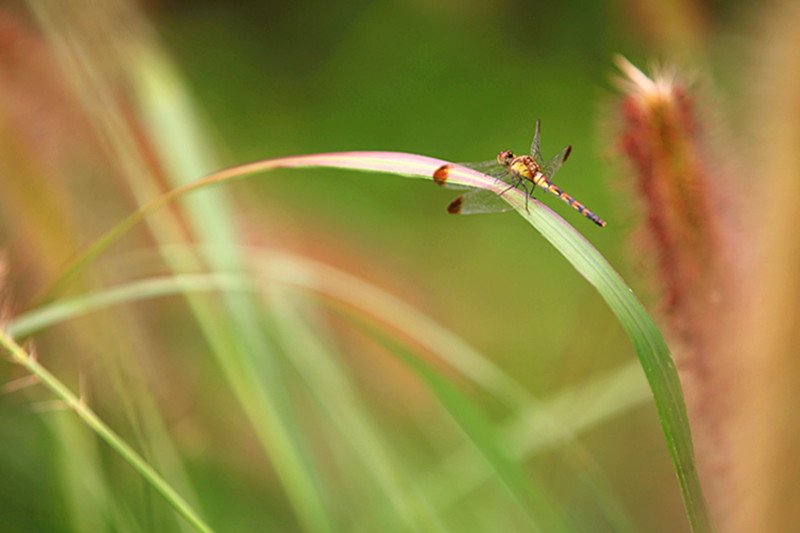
point(518, 172)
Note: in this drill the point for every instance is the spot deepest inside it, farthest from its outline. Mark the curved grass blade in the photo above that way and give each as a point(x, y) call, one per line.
point(410, 165)
point(647, 340)
point(650, 347)
point(45, 316)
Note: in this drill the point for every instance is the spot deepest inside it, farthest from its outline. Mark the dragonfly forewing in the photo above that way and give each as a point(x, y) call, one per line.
point(536, 147)
point(492, 168)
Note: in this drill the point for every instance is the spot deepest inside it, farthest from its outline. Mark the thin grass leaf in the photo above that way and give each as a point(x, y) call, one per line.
point(81, 471)
point(159, 484)
point(68, 308)
point(393, 162)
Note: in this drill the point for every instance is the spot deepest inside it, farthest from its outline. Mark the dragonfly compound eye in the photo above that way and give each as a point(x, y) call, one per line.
point(504, 158)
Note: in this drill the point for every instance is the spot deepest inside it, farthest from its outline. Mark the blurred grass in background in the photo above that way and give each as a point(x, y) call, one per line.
point(281, 413)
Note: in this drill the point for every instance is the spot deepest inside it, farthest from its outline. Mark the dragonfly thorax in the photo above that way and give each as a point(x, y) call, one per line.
point(524, 166)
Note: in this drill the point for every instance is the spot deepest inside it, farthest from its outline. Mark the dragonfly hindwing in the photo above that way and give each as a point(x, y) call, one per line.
point(551, 167)
point(480, 201)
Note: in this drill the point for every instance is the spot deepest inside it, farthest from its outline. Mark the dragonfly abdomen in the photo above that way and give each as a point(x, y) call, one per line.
point(572, 202)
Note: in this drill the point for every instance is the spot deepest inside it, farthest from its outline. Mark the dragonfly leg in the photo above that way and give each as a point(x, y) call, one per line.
point(518, 182)
point(510, 186)
point(527, 194)
point(506, 190)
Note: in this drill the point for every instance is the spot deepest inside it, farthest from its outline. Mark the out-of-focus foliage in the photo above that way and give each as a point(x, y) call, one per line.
point(82, 148)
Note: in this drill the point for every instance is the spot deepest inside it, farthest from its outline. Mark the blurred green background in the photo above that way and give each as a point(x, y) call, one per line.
point(457, 81)
point(451, 81)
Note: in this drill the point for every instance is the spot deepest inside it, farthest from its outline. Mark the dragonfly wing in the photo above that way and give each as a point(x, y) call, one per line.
point(551, 167)
point(536, 148)
point(490, 168)
point(480, 201)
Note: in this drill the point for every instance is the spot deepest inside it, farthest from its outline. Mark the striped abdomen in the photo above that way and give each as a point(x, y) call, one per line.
point(577, 206)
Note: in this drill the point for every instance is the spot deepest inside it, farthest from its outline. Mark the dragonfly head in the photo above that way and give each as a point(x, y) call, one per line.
point(505, 158)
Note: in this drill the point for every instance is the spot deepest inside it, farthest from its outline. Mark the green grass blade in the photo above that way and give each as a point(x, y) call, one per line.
point(650, 347)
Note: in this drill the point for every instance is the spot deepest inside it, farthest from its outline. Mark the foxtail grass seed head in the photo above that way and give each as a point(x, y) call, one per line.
point(660, 139)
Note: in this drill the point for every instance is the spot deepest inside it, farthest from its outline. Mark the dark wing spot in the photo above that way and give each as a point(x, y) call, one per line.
point(566, 155)
point(455, 206)
point(442, 173)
